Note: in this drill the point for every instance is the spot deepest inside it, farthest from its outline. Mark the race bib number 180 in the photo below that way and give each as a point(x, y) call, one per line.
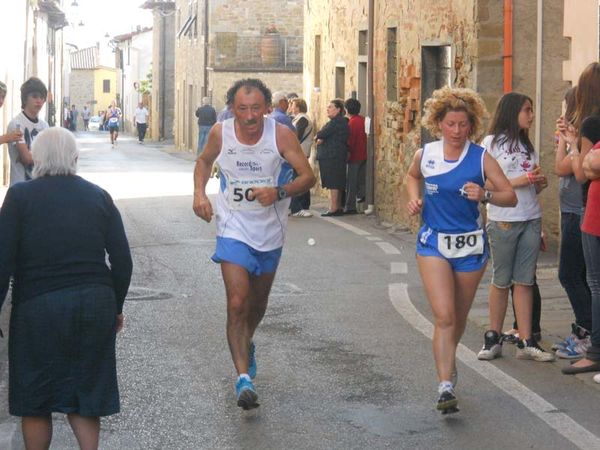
point(459, 245)
point(240, 192)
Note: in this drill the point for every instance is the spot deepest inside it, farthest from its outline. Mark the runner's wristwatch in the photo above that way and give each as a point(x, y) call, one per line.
point(281, 193)
point(487, 196)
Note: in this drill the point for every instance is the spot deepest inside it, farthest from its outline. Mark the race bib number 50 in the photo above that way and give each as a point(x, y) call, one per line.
point(459, 245)
point(240, 192)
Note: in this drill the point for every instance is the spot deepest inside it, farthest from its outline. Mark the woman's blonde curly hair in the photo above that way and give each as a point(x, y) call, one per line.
point(454, 99)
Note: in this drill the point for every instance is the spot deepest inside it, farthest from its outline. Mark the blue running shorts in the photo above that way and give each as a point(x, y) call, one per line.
point(427, 245)
point(254, 261)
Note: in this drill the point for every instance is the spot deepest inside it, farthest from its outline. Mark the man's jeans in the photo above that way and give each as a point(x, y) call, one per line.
point(591, 251)
point(142, 131)
point(202, 137)
point(571, 269)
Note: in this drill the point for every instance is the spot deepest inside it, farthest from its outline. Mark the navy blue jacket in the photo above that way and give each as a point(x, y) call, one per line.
point(55, 232)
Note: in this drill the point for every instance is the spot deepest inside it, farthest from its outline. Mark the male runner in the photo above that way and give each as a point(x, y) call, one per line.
point(256, 157)
point(113, 116)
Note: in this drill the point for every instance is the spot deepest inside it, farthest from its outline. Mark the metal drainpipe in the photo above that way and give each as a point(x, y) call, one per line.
point(162, 79)
point(370, 181)
point(508, 45)
point(538, 74)
point(205, 88)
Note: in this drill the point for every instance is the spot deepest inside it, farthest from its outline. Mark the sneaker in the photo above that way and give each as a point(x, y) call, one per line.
point(245, 393)
point(302, 213)
point(492, 347)
point(576, 350)
point(597, 378)
point(562, 345)
point(447, 402)
point(530, 349)
point(252, 367)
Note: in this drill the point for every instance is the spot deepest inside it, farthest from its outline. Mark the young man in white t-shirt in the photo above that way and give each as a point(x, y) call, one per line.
point(33, 97)
point(141, 121)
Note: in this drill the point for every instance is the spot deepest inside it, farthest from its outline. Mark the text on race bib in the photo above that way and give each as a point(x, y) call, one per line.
point(240, 194)
point(460, 245)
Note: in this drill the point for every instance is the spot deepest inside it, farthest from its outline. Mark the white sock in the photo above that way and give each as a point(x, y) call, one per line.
point(445, 386)
point(244, 375)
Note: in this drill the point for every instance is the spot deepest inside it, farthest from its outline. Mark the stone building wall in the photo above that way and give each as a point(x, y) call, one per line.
point(474, 31)
point(232, 24)
point(81, 86)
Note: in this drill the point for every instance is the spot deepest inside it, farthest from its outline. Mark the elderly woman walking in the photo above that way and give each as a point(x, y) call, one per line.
point(55, 233)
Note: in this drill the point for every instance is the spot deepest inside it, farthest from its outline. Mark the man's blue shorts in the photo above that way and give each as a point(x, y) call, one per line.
point(254, 261)
point(427, 246)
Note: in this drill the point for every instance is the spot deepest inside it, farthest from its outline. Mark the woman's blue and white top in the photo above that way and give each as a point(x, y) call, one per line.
point(448, 214)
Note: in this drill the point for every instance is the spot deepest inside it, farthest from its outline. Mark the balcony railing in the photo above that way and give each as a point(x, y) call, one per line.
point(269, 52)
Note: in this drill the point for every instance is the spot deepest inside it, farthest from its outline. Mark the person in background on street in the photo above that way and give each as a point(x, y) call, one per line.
point(66, 301)
point(74, 117)
point(141, 121)
point(85, 116)
point(357, 161)
point(571, 265)
point(515, 233)
point(332, 154)
point(300, 204)
point(452, 252)
point(280, 107)
point(290, 97)
point(67, 117)
point(113, 118)
point(13, 136)
point(225, 113)
point(207, 117)
point(583, 133)
point(251, 213)
point(28, 122)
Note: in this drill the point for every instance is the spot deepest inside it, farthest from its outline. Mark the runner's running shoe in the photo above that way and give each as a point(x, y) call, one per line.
point(447, 402)
point(530, 349)
point(246, 394)
point(492, 347)
point(252, 368)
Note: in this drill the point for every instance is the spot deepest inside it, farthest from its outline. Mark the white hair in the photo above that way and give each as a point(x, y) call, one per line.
point(205, 101)
point(278, 96)
point(54, 152)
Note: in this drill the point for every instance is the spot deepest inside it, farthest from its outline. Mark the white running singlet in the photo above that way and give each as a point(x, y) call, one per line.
point(243, 167)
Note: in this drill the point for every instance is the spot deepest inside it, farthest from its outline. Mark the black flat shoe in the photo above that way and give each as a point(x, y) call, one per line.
point(336, 213)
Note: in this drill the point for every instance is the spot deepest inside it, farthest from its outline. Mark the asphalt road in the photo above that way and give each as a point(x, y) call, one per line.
point(344, 357)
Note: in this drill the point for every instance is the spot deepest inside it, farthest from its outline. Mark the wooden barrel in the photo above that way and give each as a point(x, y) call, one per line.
point(270, 50)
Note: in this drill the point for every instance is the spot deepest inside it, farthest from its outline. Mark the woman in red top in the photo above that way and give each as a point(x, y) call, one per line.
point(357, 160)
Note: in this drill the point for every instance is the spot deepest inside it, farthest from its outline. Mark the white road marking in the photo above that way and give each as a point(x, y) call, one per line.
point(373, 238)
point(348, 227)
point(399, 268)
point(559, 421)
point(387, 248)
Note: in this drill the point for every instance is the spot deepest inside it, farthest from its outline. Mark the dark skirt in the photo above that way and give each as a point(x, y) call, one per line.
point(333, 173)
point(62, 353)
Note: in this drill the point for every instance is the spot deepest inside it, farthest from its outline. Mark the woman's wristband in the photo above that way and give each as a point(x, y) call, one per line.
point(530, 177)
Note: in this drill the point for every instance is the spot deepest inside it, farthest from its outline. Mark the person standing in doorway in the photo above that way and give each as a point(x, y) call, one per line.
point(207, 117)
point(357, 161)
point(28, 122)
point(256, 157)
point(141, 121)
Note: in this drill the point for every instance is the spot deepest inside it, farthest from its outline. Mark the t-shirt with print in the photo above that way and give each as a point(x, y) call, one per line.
point(30, 129)
point(514, 160)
